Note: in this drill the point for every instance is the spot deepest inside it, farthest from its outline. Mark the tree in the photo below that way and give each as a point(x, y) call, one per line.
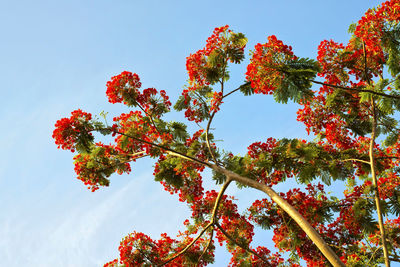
point(352, 116)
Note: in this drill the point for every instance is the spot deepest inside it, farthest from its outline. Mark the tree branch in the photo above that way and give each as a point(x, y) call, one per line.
point(169, 150)
point(356, 89)
point(207, 139)
point(208, 245)
point(231, 92)
point(290, 210)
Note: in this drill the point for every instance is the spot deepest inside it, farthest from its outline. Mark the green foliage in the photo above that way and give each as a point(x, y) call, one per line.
point(215, 70)
point(296, 80)
point(390, 44)
point(167, 172)
point(178, 131)
point(246, 89)
point(235, 164)
point(84, 140)
point(352, 28)
point(202, 95)
point(394, 203)
point(363, 210)
point(235, 53)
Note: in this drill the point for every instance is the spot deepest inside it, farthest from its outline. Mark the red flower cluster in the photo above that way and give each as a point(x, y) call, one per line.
point(208, 66)
point(264, 71)
point(125, 88)
point(69, 130)
point(134, 124)
point(196, 64)
point(258, 152)
point(371, 29)
point(387, 184)
point(257, 148)
point(332, 69)
point(93, 169)
point(125, 83)
point(138, 249)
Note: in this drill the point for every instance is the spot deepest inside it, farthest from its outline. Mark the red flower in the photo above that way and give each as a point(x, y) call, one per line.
point(69, 130)
point(263, 71)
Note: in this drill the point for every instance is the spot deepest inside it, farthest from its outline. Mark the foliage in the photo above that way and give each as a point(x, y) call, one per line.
point(349, 99)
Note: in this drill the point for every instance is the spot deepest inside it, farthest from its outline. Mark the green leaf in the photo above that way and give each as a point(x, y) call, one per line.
point(246, 89)
point(180, 104)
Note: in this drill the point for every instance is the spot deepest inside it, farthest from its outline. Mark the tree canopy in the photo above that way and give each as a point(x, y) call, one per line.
point(349, 99)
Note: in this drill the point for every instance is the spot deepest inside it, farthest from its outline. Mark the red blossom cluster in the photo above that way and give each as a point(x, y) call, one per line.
point(87, 175)
point(256, 148)
point(93, 169)
point(265, 68)
point(69, 130)
point(208, 66)
point(138, 249)
point(387, 184)
point(257, 152)
point(196, 64)
point(124, 88)
point(353, 65)
point(119, 84)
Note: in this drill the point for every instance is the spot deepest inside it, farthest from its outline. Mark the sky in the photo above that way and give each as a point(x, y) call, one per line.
point(56, 56)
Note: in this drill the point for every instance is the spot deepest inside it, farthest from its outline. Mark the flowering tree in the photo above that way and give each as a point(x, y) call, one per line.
point(351, 112)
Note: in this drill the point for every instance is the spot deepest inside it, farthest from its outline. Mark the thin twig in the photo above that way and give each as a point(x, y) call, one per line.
point(169, 150)
point(208, 245)
point(231, 92)
point(356, 89)
point(151, 118)
point(207, 139)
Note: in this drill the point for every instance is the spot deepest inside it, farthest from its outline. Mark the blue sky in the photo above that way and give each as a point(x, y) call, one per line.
point(56, 56)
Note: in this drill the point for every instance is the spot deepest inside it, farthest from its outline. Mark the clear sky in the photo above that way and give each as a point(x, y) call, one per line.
point(56, 56)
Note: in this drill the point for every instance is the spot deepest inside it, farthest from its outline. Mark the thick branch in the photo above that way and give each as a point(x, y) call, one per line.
point(292, 212)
